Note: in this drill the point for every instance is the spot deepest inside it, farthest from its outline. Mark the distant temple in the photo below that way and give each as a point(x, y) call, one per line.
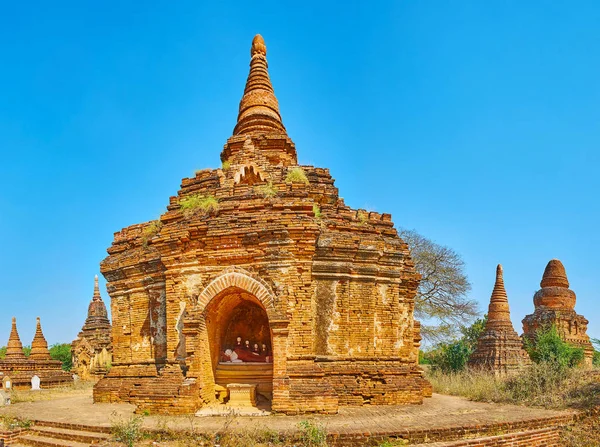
point(261, 283)
point(555, 305)
point(21, 369)
point(92, 350)
point(499, 348)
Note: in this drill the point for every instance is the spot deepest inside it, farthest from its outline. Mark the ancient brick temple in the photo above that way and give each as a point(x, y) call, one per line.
point(258, 273)
point(21, 369)
point(499, 348)
point(555, 305)
point(92, 350)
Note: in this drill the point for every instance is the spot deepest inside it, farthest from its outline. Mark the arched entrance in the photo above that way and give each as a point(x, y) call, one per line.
point(240, 340)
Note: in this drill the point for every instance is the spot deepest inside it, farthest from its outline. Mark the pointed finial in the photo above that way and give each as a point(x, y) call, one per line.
point(39, 345)
point(96, 289)
point(258, 46)
point(14, 347)
point(259, 109)
point(498, 309)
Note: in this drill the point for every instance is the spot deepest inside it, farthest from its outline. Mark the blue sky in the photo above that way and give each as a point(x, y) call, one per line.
point(475, 123)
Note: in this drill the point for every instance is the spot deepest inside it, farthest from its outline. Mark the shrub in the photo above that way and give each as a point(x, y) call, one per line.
point(296, 175)
point(27, 350)
point(194, 203)
point(450, 357)
point(127, 431)
point(596, 359)
point(548, 347)
point(453, 357)
point(267, 191)
point(316, 211)
point(10, 422)
point(150, 231)
point(540, 384)
point(225, 165)
point(62, 352)
point(312, 434)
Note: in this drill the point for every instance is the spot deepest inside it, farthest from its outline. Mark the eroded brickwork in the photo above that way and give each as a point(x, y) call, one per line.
point(336, 284)
point(92, 350)
point(20, 369)
point(499, 348)
point(555, 305)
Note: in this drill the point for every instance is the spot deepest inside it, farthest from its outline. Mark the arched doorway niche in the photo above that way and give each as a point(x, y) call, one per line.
point(236, 313)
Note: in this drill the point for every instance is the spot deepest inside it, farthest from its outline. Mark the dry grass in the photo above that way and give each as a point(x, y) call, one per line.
point(540, 385)
point(195, 203)
point(296, 175)
point(77, 388)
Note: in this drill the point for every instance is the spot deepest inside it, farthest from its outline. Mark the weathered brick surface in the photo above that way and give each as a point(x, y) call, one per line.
point(499, 348)
point(337, 285)
point(92, 350)
point(555, 304)
point(545, 437)
point(21, 369)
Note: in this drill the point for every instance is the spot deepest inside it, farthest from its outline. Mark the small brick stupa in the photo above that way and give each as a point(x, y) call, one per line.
point(499, 348)
point(92, 350)
point(21, 368)
point(555, 305)
point(259, 274)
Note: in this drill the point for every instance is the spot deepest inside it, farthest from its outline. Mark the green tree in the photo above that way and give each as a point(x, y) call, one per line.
point(548, 347)
point(2, 352)
point(62, 352)
point(27, 350)
point(471, 333)
point(453, 357)
point(596, 343)
point(442, 302)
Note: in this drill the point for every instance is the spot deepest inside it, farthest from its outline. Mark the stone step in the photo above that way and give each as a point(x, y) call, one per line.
point(43, 441)
point(70, 435)
point(69, 426)
point(527, 438)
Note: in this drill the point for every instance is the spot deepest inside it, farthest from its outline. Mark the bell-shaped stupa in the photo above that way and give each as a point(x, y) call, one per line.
point(555, 305)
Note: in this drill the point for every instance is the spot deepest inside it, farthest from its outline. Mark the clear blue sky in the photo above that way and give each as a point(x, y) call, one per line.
point(475, 123)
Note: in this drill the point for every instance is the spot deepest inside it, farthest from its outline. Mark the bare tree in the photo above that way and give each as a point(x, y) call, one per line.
point(442, 303)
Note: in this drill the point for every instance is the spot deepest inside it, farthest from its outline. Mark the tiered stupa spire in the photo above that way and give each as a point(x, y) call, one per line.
point(39, 345)
point(499, 348)
point(259, 109)
point(14, 348)
point(97, 316)
point(498, 310)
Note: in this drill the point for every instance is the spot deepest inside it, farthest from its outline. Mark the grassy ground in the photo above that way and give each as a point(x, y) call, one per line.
point(540, 385)
point(79, 387)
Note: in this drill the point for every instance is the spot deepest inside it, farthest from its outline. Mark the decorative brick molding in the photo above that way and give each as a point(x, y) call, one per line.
point(237, 277)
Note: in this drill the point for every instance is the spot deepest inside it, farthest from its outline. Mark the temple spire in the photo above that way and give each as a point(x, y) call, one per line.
point(96, 296)
point(259, 109)
point(14, 348)
point(39, 345)
point(498, 309)
point(97, 314)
